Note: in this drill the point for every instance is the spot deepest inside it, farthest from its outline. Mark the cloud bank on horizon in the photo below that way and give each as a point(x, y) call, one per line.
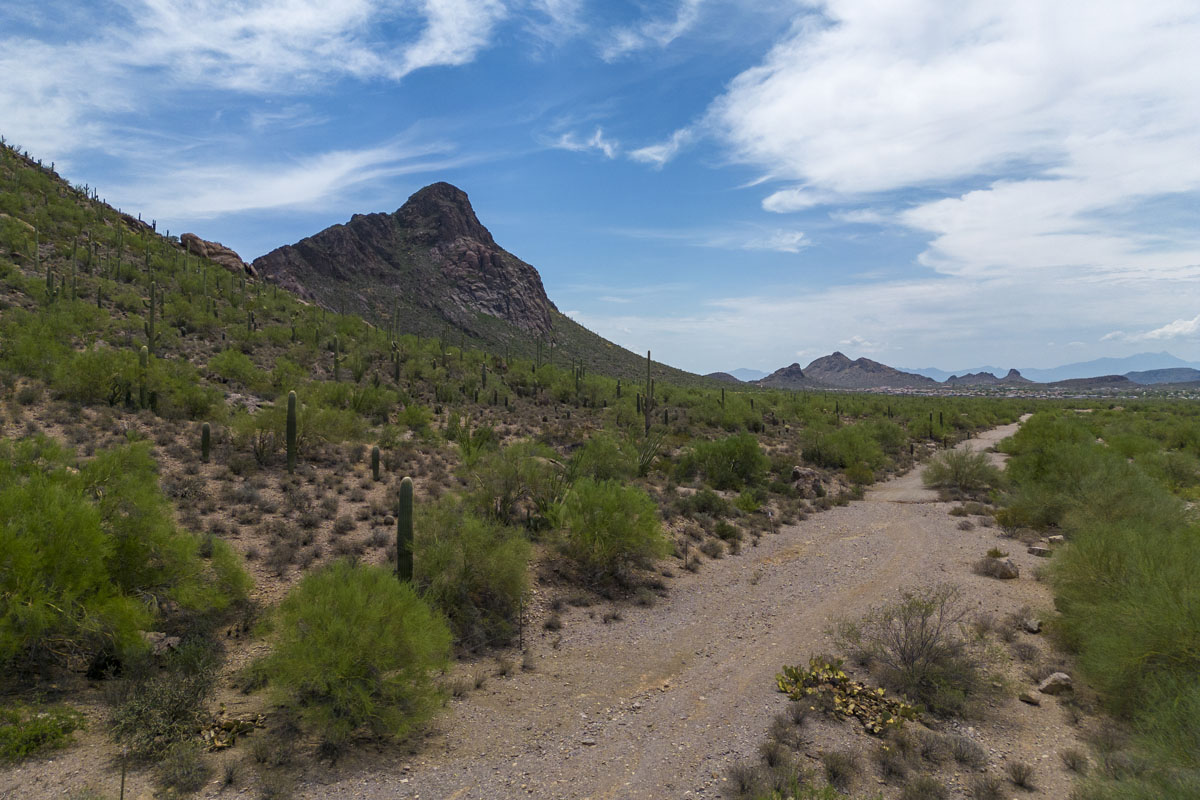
point(726, 183)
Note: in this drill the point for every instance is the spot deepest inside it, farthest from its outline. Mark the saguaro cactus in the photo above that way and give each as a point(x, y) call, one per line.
point(404, 531)
point(205, 442)
point(375, 463)
point(291, 433)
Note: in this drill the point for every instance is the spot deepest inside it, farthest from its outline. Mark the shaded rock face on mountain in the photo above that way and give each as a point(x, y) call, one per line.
point(432, 253)
point(839, 371)
point(215, 251)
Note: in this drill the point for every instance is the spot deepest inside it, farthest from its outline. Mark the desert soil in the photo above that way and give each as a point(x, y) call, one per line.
point(662, 702)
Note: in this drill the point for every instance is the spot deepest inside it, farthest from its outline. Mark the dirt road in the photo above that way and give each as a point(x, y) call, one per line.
point(661, 703)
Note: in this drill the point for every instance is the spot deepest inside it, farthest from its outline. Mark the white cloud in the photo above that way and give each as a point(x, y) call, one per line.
point(659, 154)
point(651, 33)
point(860, 216)
point(1179, 329)
point(796, 199)
point(1077, 104)
point(597, 141)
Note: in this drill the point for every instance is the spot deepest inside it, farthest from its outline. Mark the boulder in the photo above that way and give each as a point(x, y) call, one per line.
point(218, 253)
point(1032, 625)
point(1039, 551)
point(1057, 683)
point(1030, 698)
point(1005, 569)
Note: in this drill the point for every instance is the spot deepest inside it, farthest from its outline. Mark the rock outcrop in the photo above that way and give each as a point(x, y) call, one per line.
point(789, 377)
point(218, 253)
point(432, 253)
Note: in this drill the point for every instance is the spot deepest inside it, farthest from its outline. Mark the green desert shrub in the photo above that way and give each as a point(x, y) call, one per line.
point(91, 553)
point(473, 569)
point(914, 646)
point(235, 366)
point(603, 458)
point(608, 528)
point(95, 375)
point(843, 447)
point(730, 463)
point(964, 470)
point(355, 650)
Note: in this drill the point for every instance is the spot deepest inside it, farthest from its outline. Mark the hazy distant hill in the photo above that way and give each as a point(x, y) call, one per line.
point(839, 371)
point(1142, 362)
point(1174, 375)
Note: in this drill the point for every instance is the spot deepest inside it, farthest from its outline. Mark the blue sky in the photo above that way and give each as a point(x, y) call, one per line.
point(729, 184)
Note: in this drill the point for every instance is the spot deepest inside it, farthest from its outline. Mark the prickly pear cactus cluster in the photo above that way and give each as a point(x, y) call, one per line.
point(851, 698)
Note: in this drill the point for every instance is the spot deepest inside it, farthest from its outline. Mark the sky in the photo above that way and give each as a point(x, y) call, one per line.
point(727, 184)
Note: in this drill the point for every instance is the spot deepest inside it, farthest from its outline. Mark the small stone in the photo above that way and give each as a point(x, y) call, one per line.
point(588, 742)
point(1039, 551)
point(1057, 683)
point(1056, 539)
point(1032, 625)
point(1030, 698)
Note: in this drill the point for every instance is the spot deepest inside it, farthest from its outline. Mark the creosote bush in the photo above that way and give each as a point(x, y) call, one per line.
point(915, 647)
point(354, 651)
point(27, 731)
point(966, 471)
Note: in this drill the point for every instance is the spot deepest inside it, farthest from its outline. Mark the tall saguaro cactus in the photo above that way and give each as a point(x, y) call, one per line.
point(404, 531)
point(291, 433)
point(375, 463)
point(205, 442)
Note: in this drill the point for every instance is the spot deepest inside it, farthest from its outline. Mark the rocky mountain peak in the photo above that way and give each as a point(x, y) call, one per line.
point(432, 253)
point(442, 213)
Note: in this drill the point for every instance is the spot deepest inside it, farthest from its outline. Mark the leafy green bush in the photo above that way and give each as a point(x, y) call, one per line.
point(608, 528)
point(236, 366)
point(355, 649)
point(964, 470)
point(516, 477)
point(89, 554)
point(843, 447)
point(473, 569)
point(730, 463)
point(603, 458)
point(26, 730)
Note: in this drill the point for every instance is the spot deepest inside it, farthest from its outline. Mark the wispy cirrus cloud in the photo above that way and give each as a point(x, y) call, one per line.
point(217, 189)
point(64, 91)
point(597, 142)
point(742, 237)
point(657, 155)
point(651, 33)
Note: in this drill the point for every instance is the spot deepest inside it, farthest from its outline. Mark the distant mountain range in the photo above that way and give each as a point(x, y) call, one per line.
point(1131, 367)
point(837, 371)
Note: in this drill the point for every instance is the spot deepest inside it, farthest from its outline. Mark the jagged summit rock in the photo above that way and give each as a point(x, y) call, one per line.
point(430, 255)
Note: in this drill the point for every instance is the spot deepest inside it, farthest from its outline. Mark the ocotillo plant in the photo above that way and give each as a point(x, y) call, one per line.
point(291, 433)
point(375, 463)
point(404, 531)
point(205, 442)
